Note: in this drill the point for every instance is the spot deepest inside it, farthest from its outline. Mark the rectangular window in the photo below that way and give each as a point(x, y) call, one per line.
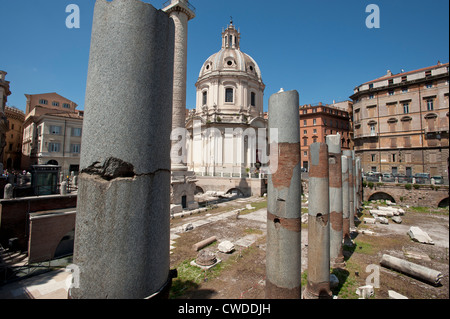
point(229, 95)
point(44, 102)
point(55, 103)
point(305, 132)
point(305, 142)
point(76, 131)
point(391, 92)
point(374, 157)
point(55, 130)
point(404, 90)
point(305, 153)
point(371, 96)
point(428, 73)
point(430, 105)
point(53, 147)
point(66, 105)
point(304, 123)
point(314, 121)
point(404, 78)
point(315, 131)
point(314, 140)
point(406, 108)
point(429, 85)
point(205, 98)
point(253, 99)
point(75, 148)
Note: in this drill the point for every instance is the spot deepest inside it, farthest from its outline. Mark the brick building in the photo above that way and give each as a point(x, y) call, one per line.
point(13, 150)
point(318, 121)
point(4, 93)
point(52, 132)
point(401, 123)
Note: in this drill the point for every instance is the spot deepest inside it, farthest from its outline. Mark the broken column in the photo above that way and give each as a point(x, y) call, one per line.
point(345, 202)
point(417, 271)
point(358, 199)
point(351, 190)
point(318, 286)
point(283, 262)
point(122, 224)
point(335, 198)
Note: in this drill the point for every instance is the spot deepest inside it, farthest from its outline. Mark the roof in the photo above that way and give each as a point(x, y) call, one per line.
point(385, 77)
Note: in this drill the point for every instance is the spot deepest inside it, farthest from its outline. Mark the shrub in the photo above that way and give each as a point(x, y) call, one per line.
point(408, 186)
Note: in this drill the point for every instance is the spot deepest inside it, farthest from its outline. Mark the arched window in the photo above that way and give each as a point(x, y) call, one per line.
point(205, 98)
point(229, 98)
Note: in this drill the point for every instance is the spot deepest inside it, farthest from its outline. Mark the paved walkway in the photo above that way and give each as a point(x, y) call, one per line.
point(51, 285)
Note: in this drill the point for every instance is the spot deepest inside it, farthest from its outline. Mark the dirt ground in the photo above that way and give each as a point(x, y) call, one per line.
point(241, 274)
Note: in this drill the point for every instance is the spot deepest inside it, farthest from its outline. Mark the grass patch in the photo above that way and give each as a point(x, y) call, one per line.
point(347, 282)
point(253, 231)
point(429, 210)
point(360, 247)
point(191, 277)
point(256, 205)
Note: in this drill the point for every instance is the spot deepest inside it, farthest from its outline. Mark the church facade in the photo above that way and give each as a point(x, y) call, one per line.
point(227, 127)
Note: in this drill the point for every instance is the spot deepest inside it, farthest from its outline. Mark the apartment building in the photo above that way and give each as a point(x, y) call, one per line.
point(52, 132)
point(12, 154)
point(401, 123)
point(318, 121)
point(4, 93)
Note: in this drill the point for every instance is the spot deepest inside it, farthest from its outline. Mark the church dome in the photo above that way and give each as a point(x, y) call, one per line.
point(230, 59)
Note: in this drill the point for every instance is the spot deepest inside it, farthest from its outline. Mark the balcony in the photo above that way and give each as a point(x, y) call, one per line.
point(185, 2)
point(366, 135)
point(436, 130)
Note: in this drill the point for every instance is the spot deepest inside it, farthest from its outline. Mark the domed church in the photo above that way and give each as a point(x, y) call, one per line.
point(229, 111)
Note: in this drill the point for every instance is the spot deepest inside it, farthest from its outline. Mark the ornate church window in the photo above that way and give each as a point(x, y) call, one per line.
point(253, 99)
point(229, 95)
point(205, 98)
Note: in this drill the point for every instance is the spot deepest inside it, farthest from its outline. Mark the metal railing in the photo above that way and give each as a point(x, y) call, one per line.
point(400, 179)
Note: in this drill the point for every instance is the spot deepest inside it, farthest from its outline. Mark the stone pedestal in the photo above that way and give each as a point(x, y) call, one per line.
point(182, 191)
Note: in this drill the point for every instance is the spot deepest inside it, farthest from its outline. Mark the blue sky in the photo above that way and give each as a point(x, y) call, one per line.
point(320, 48)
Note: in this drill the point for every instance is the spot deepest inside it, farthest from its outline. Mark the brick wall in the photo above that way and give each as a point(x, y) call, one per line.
point(46, 232)
point(424, 196)
point(14, 215)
